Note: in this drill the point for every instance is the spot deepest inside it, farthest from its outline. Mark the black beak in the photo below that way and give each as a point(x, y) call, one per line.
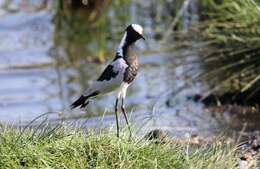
point(142, 37)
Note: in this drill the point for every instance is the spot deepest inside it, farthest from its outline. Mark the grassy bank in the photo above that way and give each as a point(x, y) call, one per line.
point(62, 147)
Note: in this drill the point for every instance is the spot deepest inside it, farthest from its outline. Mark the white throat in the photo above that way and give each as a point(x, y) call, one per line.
point(121, 45)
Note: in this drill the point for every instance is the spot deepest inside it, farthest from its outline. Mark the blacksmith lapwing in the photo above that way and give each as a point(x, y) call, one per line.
point(120, 73)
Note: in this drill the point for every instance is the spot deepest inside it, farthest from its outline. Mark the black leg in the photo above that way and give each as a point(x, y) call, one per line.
point(125, 115)
point(117, 122)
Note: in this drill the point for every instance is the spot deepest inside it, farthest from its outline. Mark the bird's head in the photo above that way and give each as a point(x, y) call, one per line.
point(134, 32)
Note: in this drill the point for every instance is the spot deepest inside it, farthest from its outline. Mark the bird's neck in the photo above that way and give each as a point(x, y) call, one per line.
point(124, 46)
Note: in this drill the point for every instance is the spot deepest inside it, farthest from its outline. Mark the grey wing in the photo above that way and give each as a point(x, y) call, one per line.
point(110, 79)
point(108, 73)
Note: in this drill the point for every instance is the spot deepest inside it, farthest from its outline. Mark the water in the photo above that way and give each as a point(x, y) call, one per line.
point(47, 59)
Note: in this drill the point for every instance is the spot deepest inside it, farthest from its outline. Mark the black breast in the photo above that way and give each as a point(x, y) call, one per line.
point(132, 69)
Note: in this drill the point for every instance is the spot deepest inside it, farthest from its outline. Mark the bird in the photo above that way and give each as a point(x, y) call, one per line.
point(118, 75)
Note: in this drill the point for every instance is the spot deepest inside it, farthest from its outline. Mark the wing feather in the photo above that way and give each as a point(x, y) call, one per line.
point(108, 73)
point(111, 78)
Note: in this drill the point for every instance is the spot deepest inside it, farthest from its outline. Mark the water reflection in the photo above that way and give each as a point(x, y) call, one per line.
point(49, 56)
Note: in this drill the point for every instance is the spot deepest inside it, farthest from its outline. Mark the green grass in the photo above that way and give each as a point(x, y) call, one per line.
point(231, 28)
point(226, 39)
point(63, 147)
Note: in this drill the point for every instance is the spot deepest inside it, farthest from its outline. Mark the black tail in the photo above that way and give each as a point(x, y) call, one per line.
point(82, 102)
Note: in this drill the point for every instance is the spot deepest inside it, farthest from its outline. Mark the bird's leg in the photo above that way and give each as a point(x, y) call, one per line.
point(117, 122)
point(125, 115)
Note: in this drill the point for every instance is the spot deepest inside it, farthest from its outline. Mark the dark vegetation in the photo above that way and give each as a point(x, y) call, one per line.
point(227, 37)
point(233, 30)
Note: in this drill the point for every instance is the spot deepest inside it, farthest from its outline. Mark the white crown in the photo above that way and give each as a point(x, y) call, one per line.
point(138, 28)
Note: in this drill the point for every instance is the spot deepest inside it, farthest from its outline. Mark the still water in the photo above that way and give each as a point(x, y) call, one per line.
point(48, 58)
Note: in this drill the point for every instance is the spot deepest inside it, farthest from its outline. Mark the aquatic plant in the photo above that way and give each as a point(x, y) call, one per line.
point(227, 41)
point(232, 29)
